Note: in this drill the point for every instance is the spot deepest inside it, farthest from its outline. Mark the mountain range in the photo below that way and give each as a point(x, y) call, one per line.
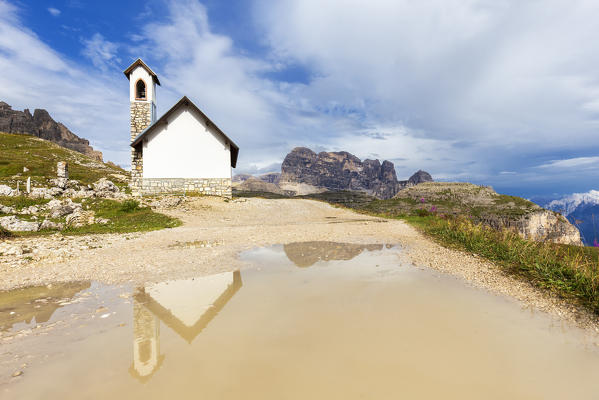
point(305, 172)
point(582, 210)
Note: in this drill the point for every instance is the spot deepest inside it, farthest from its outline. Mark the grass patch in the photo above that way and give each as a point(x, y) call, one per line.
point(129, 206)
point(20, 202)
point(570, 272)
point(124, 217)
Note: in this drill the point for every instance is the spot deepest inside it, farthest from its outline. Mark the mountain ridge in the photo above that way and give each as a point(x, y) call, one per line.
point(305, 171)
point(582, 210)
point(43, 126)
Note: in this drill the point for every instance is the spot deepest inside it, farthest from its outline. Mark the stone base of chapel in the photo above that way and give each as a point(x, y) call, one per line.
point(208, 186)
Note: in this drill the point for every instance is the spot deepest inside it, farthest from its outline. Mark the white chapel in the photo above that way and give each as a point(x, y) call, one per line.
point(182, 151)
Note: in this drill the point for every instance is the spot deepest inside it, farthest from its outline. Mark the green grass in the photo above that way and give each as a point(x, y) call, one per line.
point(127, 216)
point(40, 157)
point(20, 202)
point(124, 217)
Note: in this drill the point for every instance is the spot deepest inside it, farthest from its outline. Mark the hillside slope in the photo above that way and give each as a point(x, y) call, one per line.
point(482, 205)
point(40, 156)
point(42, 125)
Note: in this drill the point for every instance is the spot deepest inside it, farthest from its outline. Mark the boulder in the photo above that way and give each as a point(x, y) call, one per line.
point(14, 224)
point(83, 193)
point(104, 185)
point(31, 210)
point(47, 224)
point(80, 218)
point(42, 193)
point(6, 190)
point(7, 210)
point(58, 209)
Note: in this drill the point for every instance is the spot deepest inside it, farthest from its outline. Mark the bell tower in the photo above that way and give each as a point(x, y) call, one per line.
point(142, 100)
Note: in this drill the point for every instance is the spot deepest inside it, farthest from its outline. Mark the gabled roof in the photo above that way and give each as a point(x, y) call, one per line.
point(170, 318)
point(139, 62)
point(185, 102)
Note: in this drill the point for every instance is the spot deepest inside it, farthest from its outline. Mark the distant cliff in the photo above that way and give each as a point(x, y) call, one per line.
point(304, 172)
point(42, 125)
point(582, 210)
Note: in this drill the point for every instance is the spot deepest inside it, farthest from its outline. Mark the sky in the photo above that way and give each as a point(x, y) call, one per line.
point(495, 92)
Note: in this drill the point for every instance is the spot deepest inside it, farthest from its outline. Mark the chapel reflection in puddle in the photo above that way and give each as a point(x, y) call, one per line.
point(306, 254)
point(185, 306)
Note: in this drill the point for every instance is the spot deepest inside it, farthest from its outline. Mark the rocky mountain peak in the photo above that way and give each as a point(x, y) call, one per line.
point(42, 125)
point(41, 115)
point(305, 171)
point(419, 177)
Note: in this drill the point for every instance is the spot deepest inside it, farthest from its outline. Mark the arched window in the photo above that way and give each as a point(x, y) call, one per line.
point(140, 90)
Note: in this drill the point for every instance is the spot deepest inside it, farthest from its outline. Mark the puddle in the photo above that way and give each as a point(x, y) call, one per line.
point(310, 320)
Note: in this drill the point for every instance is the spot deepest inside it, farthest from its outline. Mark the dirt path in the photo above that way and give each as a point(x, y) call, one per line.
point(215, 231)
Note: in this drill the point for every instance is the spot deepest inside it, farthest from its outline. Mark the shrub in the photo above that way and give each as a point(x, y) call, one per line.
point(422, 212)
point(129, 206)
point(4, 233)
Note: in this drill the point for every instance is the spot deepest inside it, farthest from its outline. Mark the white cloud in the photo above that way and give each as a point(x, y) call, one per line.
point(55, 12)
point(578, 163)
point(101, 52)
point(92, 105)
point(502, 82)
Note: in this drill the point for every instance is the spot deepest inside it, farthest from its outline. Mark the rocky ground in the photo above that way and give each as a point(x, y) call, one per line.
point(58, 212)
point(216, 230)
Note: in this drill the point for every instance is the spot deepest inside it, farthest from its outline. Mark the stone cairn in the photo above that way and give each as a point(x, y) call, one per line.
point(62, 174)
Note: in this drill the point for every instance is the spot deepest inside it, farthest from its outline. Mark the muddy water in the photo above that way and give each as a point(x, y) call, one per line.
point(314, 320)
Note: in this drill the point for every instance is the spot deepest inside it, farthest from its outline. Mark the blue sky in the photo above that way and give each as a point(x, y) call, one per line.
point(504, 93)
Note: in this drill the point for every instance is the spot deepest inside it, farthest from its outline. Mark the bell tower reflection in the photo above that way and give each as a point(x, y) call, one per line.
point(146, 342)
point(185, 306)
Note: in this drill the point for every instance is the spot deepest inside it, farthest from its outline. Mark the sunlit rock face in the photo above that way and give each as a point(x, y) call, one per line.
point(305, 172)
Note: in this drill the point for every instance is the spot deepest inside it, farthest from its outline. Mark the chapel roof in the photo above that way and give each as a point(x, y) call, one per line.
point(185, 102)
point(170, 318)
point(142, 64)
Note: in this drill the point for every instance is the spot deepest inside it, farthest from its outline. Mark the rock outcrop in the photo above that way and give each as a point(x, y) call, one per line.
point(42, 125)
point(483, 205)
point(419, 177)
point(306, 172)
